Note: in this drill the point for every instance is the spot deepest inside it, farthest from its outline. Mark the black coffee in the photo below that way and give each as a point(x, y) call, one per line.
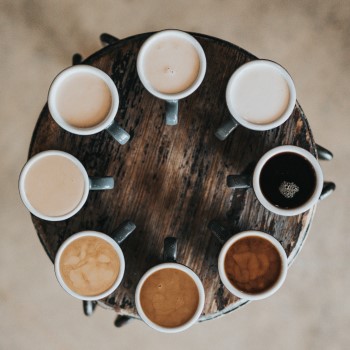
point(287, 180)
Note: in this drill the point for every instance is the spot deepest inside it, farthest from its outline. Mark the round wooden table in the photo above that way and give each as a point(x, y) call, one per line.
point(171, 180)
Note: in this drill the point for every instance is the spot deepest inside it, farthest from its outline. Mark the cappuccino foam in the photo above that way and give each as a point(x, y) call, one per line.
point(260, 94)
point(89, 266)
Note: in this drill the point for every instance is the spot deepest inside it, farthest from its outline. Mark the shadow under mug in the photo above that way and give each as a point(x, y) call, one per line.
point(108, 123)
point(258, 96)
point(171, 99)
point(169, 258)
point(117, 237)
point(90, 183)
point(246, 181)
point(221, 235)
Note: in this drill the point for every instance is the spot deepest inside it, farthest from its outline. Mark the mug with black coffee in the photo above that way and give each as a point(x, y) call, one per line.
point(287, 180)
point(252, 264)
point(169, 297)
point(90, 265)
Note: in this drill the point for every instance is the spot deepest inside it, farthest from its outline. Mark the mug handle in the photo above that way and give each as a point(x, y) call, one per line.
point(101, 183)
point(323, 153)
point(119, 134)
point(170, 249)
point(225, 129)
point(123, 231)
point(171, 112)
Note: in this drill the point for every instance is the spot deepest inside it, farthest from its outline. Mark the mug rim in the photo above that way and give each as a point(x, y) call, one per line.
point(82, 68)
point(318, 187)
point(194, 85)
point(89, 233)
point(275, 123)
point(27, 167)
point(201, 293)
point(244, 295)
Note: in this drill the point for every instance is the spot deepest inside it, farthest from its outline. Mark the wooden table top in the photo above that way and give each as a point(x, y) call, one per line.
point(171, 180)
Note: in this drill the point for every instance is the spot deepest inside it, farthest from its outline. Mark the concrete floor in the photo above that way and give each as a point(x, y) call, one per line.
point(310, 38)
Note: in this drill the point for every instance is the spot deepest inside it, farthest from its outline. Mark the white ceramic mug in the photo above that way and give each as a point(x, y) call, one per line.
point(246, 181)
point(239, 93)
point(239, 293)
point(121, 233)
point(109, 124)
point(170, 257)
point(171, 98)
point(102, 183)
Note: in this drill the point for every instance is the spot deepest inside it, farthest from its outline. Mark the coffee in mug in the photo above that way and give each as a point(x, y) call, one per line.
point(252, 265)
point(84, 100)
point(90, 265)
point(171, 65)
point(287, 180)
point(54, 185)
point(260, 95)
point(170, 297)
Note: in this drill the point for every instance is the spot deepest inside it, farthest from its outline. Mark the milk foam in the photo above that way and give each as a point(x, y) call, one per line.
point(54, 185)
point(171, 65)
point(83, 100)
point(260, 94)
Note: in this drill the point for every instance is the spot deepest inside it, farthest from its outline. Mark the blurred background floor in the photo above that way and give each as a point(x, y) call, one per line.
point(310, 38)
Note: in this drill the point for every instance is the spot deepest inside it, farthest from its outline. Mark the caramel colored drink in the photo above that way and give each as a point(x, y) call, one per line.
point(89, 266)
point(169, 297)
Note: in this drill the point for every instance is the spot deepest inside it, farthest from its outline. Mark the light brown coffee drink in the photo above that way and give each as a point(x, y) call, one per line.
point(169, 297)
point(83, 100)
point(54, 185)
point(89, 266)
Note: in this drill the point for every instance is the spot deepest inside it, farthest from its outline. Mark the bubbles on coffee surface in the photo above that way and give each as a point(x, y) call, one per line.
point(170, 71)
point(288, 189)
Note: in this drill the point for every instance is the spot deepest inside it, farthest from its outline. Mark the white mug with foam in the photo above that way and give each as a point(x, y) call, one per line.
point(260, 95)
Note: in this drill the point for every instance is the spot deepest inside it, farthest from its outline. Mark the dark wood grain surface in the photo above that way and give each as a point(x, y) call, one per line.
point(171, 180)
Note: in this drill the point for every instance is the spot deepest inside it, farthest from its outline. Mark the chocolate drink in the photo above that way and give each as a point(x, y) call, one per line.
point(288, 180)
point(252, 265)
